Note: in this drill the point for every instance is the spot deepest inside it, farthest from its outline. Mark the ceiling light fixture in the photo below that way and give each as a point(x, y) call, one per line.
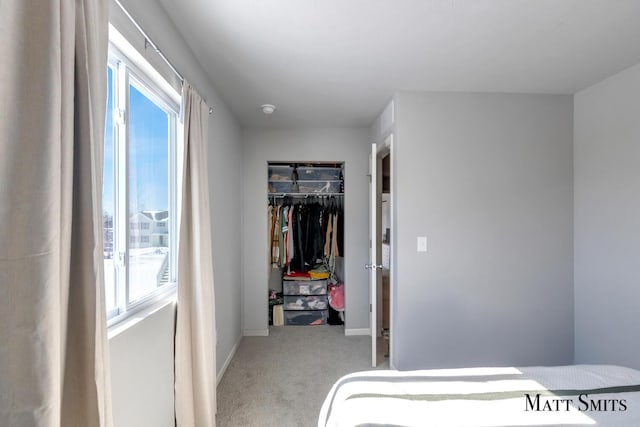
point(268, 108)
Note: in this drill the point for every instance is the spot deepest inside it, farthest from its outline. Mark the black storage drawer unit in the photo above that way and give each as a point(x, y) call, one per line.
point(303, 318)
point(305, 302)
point(304, 287)
point(299, 302)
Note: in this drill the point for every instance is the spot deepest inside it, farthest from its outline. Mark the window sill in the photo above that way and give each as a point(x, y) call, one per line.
point(128, 322)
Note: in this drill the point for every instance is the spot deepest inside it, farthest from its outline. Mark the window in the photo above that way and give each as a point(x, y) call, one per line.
point(139, 186)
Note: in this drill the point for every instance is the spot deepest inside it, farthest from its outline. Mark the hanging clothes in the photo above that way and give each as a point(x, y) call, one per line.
point(290, 246)
point(340, 233)
point(328, 230)
point(298, 260)
point(303, 235)
point(334, 237)
point(275, 237)
point(281, 236)
point(270, 232)
point(314, 240)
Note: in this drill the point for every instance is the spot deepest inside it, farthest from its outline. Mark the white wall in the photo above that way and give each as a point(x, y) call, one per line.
point(260, 146)
point(488, 179)
point(607, 220)
point(225, 183)
point(142, 372)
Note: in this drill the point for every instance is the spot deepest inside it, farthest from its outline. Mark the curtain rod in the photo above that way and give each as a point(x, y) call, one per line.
point(149, 42)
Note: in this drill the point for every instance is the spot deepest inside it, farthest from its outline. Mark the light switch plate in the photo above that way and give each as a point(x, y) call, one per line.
point(422, 244)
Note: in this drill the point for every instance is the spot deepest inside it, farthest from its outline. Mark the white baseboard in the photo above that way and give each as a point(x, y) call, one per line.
point(228, 361)
point(256, 332)
point(361, 331)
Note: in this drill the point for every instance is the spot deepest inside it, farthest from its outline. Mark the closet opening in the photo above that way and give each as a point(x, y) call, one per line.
point(305, 227)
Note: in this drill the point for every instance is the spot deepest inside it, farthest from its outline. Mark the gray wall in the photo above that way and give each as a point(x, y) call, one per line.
point(225, 180)
point(607, 220)
point(337, 145)
point(488, 179)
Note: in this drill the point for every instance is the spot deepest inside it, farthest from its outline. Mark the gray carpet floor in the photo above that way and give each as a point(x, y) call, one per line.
point(282, 379)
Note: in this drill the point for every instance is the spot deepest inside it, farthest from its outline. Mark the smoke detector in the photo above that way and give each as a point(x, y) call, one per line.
point(268, 108)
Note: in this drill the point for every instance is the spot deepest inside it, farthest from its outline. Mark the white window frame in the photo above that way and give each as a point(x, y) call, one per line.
point(126, 72)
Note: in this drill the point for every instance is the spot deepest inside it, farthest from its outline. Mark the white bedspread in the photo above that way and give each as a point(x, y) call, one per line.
point(533, 396)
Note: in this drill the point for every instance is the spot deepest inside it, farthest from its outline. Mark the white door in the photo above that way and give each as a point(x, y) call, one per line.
point(375, 257)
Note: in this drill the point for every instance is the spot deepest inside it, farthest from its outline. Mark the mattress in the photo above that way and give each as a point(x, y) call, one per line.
point(576, 395)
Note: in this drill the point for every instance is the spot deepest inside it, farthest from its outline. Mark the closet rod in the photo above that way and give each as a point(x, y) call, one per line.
point(305, 195)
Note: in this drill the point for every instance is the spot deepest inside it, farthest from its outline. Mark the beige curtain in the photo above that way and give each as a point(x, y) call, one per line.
point(53, 365)
point(195, 358)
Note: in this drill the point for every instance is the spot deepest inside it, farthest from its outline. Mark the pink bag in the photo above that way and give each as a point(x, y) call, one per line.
point(336, 297)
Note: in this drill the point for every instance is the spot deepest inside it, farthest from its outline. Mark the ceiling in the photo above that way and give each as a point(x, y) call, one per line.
point(338, 62)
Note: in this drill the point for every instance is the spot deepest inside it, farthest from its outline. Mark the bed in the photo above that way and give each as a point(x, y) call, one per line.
point(576, 395)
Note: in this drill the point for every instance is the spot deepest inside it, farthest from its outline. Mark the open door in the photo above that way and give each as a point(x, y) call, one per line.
point(375, 257)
